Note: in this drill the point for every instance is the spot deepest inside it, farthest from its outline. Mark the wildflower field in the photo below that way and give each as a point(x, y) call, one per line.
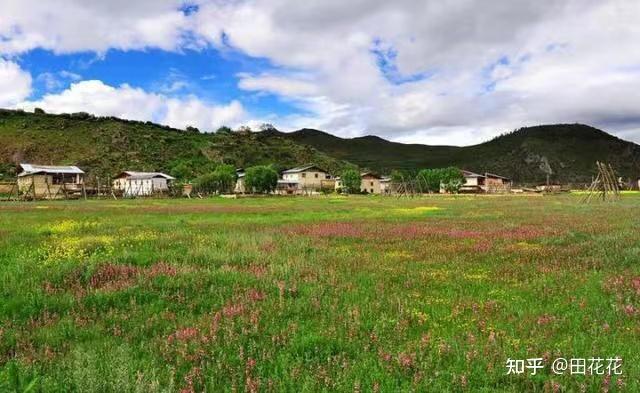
point(334, 293)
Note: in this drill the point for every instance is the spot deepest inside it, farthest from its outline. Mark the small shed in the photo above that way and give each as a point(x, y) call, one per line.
point(50, 182)
point(239, 188)
point(132, 183)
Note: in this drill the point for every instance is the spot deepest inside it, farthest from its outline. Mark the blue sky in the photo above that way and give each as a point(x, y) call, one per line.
point(208, 74)
point(435, 72)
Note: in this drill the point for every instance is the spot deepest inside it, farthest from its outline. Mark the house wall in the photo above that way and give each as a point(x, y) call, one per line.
point(496, 185)
point(307, 179)
point(136, 187)
point(371, 185)
point(239, 188)
point(470, 181)
point(44, 187)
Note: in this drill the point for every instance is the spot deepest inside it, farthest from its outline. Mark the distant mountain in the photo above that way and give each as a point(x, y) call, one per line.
point(567, 152)
point(103, 146)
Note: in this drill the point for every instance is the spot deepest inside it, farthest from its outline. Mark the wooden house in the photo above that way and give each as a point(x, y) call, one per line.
point(50, 182)
point(132, 183)
point(486, 183)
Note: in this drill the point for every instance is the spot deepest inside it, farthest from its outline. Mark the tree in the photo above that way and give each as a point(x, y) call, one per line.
point(452, 179)
point(225, 177)
point(221, 180)
point(351, 181)
point(192, 129)
point(181, 171)
point(260, 179)
point(224, 130)
point(39, 111)
point(267, 127)
point(429, 180)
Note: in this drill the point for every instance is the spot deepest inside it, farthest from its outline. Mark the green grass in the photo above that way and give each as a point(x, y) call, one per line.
point(316, 294)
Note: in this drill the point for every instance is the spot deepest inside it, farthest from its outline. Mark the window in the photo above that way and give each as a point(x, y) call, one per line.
point(371, 190)
point(57, 178)
point(304, 174)
point(316, 175)
point(371, 183)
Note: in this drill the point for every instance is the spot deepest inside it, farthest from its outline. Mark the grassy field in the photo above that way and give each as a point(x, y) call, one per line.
point(317, 294)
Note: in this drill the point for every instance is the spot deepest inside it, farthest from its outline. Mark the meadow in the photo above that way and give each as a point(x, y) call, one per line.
point(301, 294)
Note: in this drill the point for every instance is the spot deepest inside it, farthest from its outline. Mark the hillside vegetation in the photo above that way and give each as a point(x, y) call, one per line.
point(104, 146)
point(567, 152)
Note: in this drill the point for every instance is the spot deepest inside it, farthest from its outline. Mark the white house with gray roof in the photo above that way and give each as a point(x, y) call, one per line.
point(133, 183)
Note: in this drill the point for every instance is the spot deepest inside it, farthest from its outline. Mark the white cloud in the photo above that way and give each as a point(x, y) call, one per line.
point(445, 71)
point(66, 26)
point(136, 104)
point(15, 83)
point(574, 61)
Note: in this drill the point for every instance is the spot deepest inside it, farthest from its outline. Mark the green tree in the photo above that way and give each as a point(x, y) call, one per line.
point(260, 179)
point(428, 180)
point(181, 171)
point(431, 180)
point(452, 179)
point(224, 130)
point(221, 180)
point(351, 181)
point(225, 177)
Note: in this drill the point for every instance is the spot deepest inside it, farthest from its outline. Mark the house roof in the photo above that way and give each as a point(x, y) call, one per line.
point(144, 175)
point(466, 173)
point(31, 169)
point(496, 176)
point(304, 169)
point(370, 174)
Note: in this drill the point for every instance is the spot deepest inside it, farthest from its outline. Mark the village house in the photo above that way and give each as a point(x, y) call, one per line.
point(370, 183)
point(50, 182)
point(132, 183)
point(385, 185)
point(309, 178)
point(487, 183)
point(287, 187)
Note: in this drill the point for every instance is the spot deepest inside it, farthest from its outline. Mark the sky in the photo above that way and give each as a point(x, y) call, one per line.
point(440, 72)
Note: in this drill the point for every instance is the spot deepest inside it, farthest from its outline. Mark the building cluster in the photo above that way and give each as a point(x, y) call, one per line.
point(311, 179)
point(53, 182)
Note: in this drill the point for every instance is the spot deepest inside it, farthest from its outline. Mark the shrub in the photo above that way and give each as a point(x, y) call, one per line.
point(430, 180)
point(221, 180)
point(260, 179)
point(351, 181)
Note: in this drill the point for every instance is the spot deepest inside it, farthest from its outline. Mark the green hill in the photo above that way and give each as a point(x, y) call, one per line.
point(103, 146)
point(567, 152)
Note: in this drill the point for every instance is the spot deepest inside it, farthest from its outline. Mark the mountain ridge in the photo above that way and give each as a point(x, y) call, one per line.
point(105, 145)
point(560, 152)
